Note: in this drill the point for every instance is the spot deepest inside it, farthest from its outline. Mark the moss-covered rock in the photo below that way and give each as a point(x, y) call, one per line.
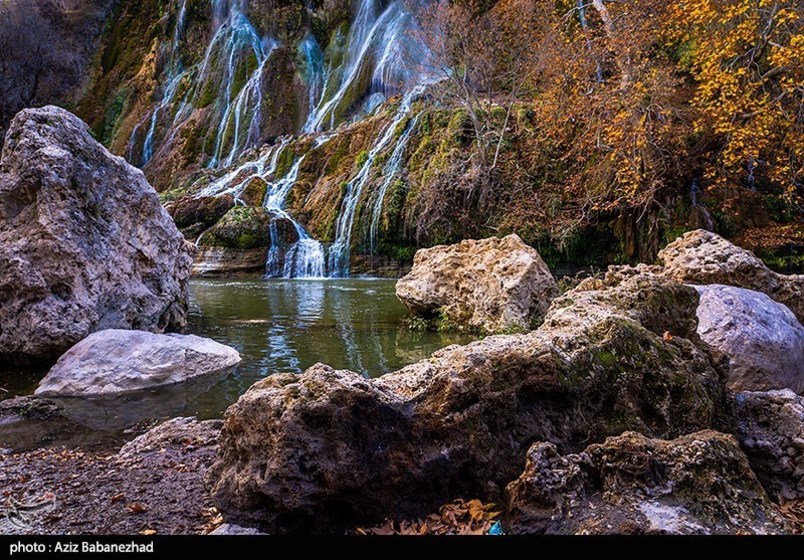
point(254, 192)
point(700, 483)
point(240, 228)
point(188, 211)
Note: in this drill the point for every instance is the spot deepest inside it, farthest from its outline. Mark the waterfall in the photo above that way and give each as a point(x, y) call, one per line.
point(305, 258)
point(167, 99)
point(389, 174)
point(236, 41)
point(378, 50)
point(340, 251)
point(173, 77)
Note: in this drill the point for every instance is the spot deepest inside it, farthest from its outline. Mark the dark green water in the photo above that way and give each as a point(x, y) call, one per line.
point(289, 325)
point(276, 325)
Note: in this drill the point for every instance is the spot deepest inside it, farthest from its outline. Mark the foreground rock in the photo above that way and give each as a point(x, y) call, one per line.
point(491, 285)
point(240, 241)
point(84, 243)
point(770, 427)
point(703, 257)
point(115, 361)
point(331, 449)
point(762, 339)
point(697, 484)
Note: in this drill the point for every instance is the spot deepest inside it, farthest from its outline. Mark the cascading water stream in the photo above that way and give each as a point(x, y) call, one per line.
point(236, 41)
point(305, 258)
point(377, 49)
point(340, 251)
point(390, 171)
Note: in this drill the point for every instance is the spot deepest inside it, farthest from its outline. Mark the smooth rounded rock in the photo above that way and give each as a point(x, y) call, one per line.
point(116, 361)
point(763, 340)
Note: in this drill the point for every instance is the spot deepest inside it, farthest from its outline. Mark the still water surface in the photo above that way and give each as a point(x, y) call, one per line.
point(289, 325)
point(276, 325)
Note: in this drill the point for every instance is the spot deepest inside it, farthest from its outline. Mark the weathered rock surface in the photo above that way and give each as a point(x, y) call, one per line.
point(762, 339)
point(254, 192)
point(206, 210)
point(770, 428)
point(491, 285)
point(329, 449)
point(186, 431)
point(700, 483)
point(222, 261)
point(115, 361)
point(84, 243)
point(703, 257)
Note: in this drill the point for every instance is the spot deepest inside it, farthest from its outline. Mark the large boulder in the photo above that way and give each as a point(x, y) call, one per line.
point(763, 340)
point(703, 257)
point(770, 428)
point(84, 243)
point(490, 285)
point(697, 484)
point(328, 449)
point(115, 361)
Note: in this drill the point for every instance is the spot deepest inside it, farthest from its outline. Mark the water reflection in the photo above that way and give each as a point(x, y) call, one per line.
point(289, 325)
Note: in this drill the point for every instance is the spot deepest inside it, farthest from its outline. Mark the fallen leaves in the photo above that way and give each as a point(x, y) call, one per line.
point(667, 337)
point(457, 518)
point(793, 510)
point(136, 508)
point(118, 498)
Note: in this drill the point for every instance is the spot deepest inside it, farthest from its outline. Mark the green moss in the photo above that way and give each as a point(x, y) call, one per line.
point(361, 159)
point(243, 227)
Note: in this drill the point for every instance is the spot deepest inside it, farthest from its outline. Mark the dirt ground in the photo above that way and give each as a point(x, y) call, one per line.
point(154, 485)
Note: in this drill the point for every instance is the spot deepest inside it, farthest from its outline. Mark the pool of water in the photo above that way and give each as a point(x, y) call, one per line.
point(276, 325)
point(289, 325)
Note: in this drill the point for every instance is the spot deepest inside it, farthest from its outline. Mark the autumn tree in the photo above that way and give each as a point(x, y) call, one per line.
point(485, 58)
point(747, 59)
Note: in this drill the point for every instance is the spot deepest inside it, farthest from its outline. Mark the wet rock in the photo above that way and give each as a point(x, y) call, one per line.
point(330, 449)
point(254, 192)
point(115, 361)
point(207, 210)
point(84, 243)
point(188, 432)
point(703, 257)
point(490, 285)
point(763, 340)
point(240, 241)
point(770, 428)
point(700, 483)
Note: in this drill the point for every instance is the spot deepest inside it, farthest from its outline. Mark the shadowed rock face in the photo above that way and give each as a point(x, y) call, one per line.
point(703, 257)
point(763, 340)
point(84, 243)
point(490, 285)
point(770, 428)
point(329, 449)
point(697, 484)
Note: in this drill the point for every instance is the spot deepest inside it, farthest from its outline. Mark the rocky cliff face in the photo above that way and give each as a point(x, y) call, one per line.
point(48, 48)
